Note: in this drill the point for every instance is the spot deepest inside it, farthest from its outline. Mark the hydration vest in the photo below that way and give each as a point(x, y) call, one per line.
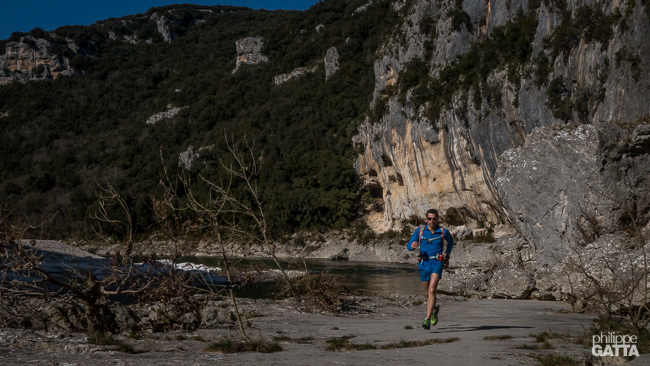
point(442, 237)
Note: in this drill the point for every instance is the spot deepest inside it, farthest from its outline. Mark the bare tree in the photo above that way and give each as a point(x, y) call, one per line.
point(232, 211)
point(108, 196)
point(608, 271)
point(207, 216)
point(246, 168)
point(26, 270)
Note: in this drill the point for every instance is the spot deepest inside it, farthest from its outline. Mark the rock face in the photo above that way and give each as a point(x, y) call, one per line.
point(249, 51)
point(30, 59)
point(331, 62)
point(283, 78)
point(162, 23)
point(561, 166)
point(187, 157)
point(412, 160)
point(169, 113)
point(569, 186)
point(133, 39)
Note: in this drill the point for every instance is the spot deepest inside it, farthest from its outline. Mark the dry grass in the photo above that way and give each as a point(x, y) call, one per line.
point(497, 338)
point(228, 345)
point(344, 344)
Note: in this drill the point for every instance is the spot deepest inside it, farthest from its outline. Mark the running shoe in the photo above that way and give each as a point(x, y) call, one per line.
point(426, 324)
point(434, 317)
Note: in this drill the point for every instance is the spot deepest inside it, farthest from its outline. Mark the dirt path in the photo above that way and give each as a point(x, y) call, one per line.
point(372, 322)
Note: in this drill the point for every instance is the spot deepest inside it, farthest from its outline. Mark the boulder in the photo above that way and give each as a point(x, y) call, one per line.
point(343, 255)
point(511, 283)
point(464, 282)
point(464, 233)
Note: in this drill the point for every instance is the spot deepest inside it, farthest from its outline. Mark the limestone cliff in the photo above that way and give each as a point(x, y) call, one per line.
point(413, 159)
point(31, 59)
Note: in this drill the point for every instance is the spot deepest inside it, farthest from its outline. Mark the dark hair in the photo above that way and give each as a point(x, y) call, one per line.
point(432, 211)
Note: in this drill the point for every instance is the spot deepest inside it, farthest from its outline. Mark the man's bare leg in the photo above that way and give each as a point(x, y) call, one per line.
point(430, 288)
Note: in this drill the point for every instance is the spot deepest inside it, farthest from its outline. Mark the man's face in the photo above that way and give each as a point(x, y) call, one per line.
point(432, 219)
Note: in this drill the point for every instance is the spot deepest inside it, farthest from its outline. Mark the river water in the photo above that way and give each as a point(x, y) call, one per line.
point(367, 278)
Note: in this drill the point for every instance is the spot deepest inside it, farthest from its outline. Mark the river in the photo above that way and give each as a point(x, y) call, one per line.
point(368, 278)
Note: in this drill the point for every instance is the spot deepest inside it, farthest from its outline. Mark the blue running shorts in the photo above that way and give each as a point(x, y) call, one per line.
point(427, 267)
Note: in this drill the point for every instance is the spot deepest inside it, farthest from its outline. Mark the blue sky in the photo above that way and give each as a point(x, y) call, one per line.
point(23, 16)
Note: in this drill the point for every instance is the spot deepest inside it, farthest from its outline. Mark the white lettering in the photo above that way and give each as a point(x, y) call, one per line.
point(596, 350)
point(595, 339)
point(608, 351)
point(618, 347)
point(614, 344)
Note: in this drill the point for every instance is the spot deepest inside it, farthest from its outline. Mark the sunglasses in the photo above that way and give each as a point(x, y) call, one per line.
point(431, 218)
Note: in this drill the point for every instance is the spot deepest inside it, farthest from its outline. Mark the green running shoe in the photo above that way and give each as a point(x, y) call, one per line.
point(434, 317)
point(426, 324)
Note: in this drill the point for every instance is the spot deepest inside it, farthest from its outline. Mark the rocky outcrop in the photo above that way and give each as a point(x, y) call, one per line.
point(465, 282)
point(162, 23)
point(31, 59)
point(363, 8)
point(283, 78)
point(171, 112)
point(331, 62)
point(133, 39)
point(249, 52)
point(187, 157)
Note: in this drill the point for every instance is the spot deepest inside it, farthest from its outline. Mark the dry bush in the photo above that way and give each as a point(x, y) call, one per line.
point(45, 287)
point(321, 292)
point(608, 271)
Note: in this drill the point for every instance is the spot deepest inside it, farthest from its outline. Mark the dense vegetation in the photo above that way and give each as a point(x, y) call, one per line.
point(65, 136)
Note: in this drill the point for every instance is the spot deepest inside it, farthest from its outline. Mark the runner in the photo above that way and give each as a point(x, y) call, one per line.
point(431, 240)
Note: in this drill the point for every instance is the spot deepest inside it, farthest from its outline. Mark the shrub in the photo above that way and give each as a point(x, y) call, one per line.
point(559, 99)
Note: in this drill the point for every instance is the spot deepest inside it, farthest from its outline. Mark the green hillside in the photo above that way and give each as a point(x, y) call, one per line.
point(62, 137)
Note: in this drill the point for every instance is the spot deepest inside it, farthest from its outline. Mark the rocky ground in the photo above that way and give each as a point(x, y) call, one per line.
point(470, 332)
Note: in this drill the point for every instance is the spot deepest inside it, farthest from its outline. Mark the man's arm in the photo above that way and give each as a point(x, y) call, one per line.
point(414, 240)
point(450, 246)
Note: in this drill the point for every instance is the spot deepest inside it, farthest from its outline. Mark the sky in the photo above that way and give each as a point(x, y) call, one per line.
point(23, 16)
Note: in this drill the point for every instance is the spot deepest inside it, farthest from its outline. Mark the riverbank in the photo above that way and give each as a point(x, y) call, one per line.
point(368, 330)
point(470, 332)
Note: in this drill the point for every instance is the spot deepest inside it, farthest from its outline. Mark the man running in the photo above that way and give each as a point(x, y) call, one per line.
point(432, 259)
